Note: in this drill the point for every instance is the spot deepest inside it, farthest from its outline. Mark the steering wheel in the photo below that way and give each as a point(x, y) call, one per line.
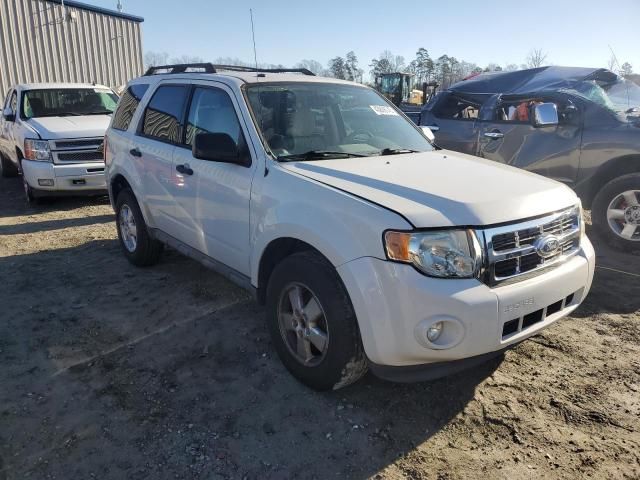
point(359, 136)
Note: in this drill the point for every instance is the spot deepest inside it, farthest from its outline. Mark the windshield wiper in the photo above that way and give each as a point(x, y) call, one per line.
point(317, 155)
point(396, 151)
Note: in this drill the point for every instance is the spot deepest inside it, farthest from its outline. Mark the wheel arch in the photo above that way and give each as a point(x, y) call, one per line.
point(614, 168)
point(275, 251)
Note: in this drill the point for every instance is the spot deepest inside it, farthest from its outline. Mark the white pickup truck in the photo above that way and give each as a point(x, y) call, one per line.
point(53, 133)
point(370, 247)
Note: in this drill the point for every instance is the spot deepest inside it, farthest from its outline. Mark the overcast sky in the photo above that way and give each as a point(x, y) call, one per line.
point(571, 32)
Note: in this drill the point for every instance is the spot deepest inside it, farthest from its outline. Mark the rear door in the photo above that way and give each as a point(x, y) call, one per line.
point(159, 131)
point(213, 198)
point(453, 122)
point(510, 137)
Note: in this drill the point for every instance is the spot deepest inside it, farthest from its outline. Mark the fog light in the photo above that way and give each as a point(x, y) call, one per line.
point(45, 182)
point(434, 331)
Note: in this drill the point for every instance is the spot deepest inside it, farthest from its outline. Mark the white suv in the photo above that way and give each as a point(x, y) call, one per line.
point(370, 247)
point(53, 133)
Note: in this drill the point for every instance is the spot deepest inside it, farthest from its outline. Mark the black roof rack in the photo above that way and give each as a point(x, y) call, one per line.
point(211, 68)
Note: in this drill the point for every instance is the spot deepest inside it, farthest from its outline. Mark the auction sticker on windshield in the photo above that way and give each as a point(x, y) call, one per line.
point(383, 110)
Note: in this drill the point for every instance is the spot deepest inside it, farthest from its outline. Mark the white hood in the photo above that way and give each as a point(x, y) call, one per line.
point(442, 188)
point(52, 128)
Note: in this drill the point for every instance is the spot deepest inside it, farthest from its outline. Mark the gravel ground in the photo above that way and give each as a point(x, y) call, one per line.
point(113, 372)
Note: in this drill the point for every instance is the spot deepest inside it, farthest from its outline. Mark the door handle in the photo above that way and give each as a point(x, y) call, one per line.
point(433, 128)
point(493, 135)
point(135, 152)
point(184, 169)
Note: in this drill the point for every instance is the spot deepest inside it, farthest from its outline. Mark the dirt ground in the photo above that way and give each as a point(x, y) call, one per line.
point(112, 372)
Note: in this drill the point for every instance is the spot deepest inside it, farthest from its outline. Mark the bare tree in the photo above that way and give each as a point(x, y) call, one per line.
point(313, 66)
point(536, 58)
point(182, 59)
point(612, 63)
point(152, 59)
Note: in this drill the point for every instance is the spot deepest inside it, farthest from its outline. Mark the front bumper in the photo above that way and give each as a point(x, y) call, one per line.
point(395, 305)
point(71, 179)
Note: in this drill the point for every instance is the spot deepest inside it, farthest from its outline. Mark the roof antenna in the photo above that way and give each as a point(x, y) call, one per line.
point(258, 75)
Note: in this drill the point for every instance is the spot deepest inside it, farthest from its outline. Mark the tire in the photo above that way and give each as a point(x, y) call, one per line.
point(7, 168)
point(342, 361)
point(144, 250)
point(33, 196)
point(614, 197)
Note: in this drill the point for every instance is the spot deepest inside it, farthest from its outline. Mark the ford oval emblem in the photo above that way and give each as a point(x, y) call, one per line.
point(547, 246)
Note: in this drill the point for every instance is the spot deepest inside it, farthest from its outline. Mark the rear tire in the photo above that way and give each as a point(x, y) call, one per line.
point(616, 212)
point(7, 167)
point(137, 244)
point(334, 356)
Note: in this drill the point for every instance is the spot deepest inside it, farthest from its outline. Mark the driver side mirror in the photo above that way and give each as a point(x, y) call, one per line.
point(429, 134)
point(545, 115)
point(217, 147)
point(8, 115)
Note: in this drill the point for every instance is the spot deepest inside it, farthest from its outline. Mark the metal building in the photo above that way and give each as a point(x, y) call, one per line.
point(56, 41)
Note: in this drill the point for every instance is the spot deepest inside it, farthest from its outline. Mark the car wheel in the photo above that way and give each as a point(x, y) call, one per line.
point(33, 196)
point(7, 168)
point(138, 246)
point(616, 212)
point(312, 323)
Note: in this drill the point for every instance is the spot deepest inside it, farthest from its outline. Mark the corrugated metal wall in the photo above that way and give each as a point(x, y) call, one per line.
point(37, 46)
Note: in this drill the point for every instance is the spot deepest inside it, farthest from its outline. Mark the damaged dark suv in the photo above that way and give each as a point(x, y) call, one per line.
point(580, 126)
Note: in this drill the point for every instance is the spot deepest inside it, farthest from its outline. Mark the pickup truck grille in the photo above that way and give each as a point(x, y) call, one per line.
point(517, 251)
point(77, 150)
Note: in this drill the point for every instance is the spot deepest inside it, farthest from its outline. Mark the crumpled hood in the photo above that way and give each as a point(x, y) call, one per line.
point(51, 128)
point(442, 188)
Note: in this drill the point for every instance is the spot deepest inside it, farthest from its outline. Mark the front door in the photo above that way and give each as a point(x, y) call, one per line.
point(212, 198)
point(510, 137)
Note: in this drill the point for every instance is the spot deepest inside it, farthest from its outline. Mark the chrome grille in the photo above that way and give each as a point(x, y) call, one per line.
point(77, 150)
point(514, 251)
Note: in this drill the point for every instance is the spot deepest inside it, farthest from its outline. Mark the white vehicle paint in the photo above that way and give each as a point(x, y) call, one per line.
point(244, 217)
point(68, 129)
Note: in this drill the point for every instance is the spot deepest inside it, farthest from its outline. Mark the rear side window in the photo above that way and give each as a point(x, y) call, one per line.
point(163, 117)
point(454, 108)
point(128, 105)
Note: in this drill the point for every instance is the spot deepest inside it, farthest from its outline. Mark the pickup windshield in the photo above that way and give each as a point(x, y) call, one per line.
point(314, 121)
point(621, 97)
point(61, 102)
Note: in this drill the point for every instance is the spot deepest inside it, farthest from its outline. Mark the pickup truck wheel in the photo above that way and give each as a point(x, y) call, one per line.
point(7, 168)
point(312, 323)
point(31, 194)
point(616, 212)
point(138, 246)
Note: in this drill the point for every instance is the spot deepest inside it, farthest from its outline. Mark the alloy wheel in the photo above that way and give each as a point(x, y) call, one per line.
point(623, 215)
point(128, 229)
point(303, 324)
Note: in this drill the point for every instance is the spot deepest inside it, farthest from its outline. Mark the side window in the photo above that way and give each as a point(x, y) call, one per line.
point(212, 111)
point(456, 108)
point(128, 105)
point(517, 111)
point(164, 113)
point(13, 103)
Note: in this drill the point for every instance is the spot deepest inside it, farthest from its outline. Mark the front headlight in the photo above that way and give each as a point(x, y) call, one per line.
point(37, 150)
point(438, 253)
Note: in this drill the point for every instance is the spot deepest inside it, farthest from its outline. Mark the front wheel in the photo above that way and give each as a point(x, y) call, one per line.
point(616, 212)
point(138, 246)
point(33, 196)
point(312, 323)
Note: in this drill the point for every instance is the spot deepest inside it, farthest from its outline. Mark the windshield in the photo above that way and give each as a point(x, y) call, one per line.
point(621, 97)
point(329, 119)
point(60, 102)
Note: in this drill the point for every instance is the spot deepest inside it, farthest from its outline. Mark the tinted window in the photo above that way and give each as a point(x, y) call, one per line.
point(212, 112)
point(128, 105)
point(163, 115)
point(455, 108)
